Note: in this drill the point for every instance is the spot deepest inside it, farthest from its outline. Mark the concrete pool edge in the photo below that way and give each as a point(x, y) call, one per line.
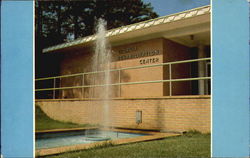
point(59, 150)
point(64, 130)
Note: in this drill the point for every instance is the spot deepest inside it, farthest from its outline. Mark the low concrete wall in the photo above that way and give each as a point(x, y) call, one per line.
point(178, 113)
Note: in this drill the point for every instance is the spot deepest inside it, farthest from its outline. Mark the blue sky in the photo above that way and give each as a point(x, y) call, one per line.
point(165, 7)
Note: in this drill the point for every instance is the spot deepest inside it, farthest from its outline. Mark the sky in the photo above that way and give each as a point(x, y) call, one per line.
point(166, 7)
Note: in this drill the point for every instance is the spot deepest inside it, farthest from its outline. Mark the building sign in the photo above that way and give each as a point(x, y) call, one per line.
point(149, 61)
point(136, 55)
point(127, 50)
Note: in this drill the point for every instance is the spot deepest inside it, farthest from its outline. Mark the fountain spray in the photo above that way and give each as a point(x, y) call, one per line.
point(101, 61)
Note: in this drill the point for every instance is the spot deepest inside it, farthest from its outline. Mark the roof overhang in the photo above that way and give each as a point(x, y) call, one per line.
point(190, 28)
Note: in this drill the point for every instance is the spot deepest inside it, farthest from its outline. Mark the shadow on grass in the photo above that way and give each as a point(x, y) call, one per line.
point(44, 122)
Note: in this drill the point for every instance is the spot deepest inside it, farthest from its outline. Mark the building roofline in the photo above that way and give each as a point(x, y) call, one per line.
point(134, 27)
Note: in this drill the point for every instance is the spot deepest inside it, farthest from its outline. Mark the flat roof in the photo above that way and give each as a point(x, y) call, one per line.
point(195, 21)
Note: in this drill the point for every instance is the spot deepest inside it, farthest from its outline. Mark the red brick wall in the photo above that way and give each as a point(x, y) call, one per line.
point(176, 52)
point(180, 113)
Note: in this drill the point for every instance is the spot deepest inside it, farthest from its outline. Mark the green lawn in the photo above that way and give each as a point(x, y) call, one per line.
point(43, 122)
point(188, 145)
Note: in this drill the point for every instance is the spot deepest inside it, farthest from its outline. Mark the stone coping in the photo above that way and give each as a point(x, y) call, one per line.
point(63, 149)
point(64, 130)
point(139, 98)
point(116, 129)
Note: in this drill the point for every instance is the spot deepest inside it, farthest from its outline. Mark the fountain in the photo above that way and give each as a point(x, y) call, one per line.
point(101, 61)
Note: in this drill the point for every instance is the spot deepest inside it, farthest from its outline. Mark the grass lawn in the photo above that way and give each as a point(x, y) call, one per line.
point(43, 122)
point(188, 145)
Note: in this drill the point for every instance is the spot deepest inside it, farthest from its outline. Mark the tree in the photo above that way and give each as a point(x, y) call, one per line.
point(59, 21)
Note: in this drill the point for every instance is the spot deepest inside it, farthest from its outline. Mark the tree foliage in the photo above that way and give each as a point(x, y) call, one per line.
point(59, 21)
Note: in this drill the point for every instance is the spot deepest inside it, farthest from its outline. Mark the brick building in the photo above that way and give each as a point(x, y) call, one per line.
point(160, 67)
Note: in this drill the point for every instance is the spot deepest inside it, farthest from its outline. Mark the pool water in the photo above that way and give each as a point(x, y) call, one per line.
point(51, 140)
